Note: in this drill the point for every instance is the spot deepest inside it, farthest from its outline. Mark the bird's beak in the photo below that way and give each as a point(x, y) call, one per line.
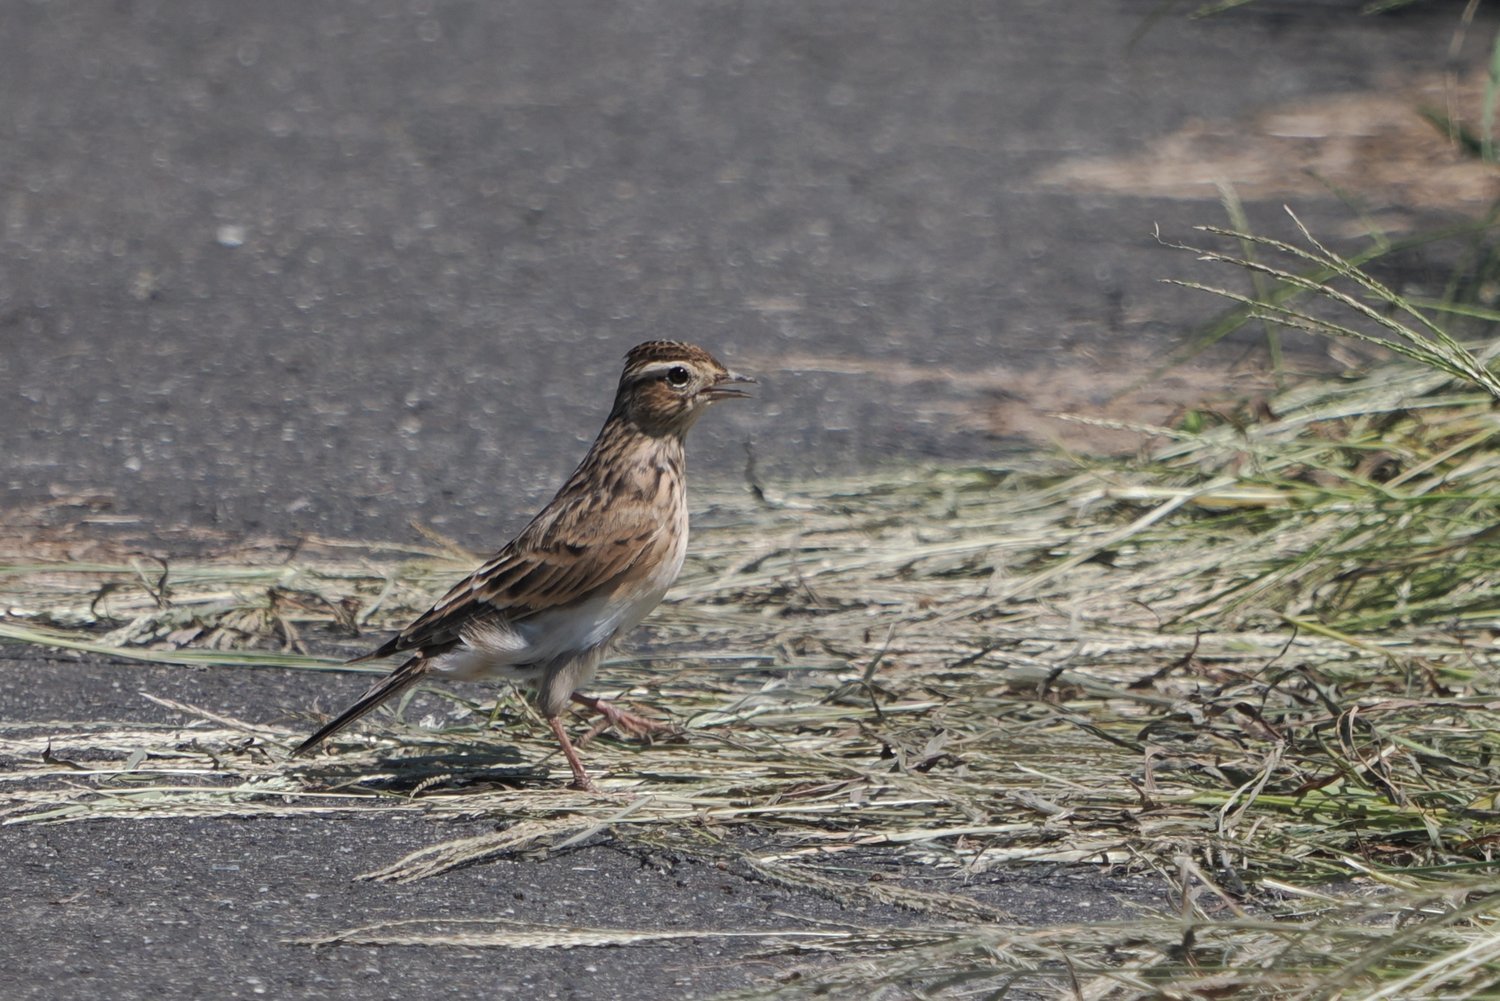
point(722, 390)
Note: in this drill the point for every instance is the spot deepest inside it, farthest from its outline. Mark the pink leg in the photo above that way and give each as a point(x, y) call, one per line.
point(628, 722)
point(581, 778)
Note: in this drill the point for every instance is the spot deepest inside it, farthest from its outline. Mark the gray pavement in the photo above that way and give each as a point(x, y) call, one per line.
point(285, 267)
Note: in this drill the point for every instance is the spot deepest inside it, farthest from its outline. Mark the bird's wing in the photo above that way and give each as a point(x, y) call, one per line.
point(576, 546)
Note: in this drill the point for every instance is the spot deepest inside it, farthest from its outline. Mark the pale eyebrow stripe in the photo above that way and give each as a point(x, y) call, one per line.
point(658, 368)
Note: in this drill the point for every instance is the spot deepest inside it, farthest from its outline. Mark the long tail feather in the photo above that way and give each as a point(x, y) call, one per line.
point(399, 680)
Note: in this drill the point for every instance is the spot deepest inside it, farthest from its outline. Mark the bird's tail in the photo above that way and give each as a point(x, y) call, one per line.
point(399, 680)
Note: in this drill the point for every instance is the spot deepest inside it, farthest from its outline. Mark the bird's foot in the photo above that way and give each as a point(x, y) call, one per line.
point(581, 780)
point(622, 720)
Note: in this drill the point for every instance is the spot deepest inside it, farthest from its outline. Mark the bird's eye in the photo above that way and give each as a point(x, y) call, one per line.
point(678, 375)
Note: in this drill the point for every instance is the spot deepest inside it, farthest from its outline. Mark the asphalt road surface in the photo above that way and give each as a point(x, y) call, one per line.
point(276, 268)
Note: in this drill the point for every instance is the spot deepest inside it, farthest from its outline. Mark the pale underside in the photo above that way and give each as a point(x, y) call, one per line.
point(557, 650)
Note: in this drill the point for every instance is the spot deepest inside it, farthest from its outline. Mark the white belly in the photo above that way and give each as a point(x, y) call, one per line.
point(524, 650)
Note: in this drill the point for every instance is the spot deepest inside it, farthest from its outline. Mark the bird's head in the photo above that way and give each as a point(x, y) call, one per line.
point(667, 385)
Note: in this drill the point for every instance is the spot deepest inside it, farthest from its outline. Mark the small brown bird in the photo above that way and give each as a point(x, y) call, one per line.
point(591, 565)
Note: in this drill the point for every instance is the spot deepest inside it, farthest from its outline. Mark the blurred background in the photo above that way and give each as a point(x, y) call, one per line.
point(289, 267)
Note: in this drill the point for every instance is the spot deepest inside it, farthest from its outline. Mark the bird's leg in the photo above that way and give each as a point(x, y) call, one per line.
point(614, 716)
point(581, 780)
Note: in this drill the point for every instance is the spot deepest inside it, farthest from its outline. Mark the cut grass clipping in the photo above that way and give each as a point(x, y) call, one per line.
point(1260, 663)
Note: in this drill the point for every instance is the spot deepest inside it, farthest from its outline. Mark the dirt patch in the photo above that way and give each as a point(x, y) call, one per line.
point(1386, 148)
point(1105, 406)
